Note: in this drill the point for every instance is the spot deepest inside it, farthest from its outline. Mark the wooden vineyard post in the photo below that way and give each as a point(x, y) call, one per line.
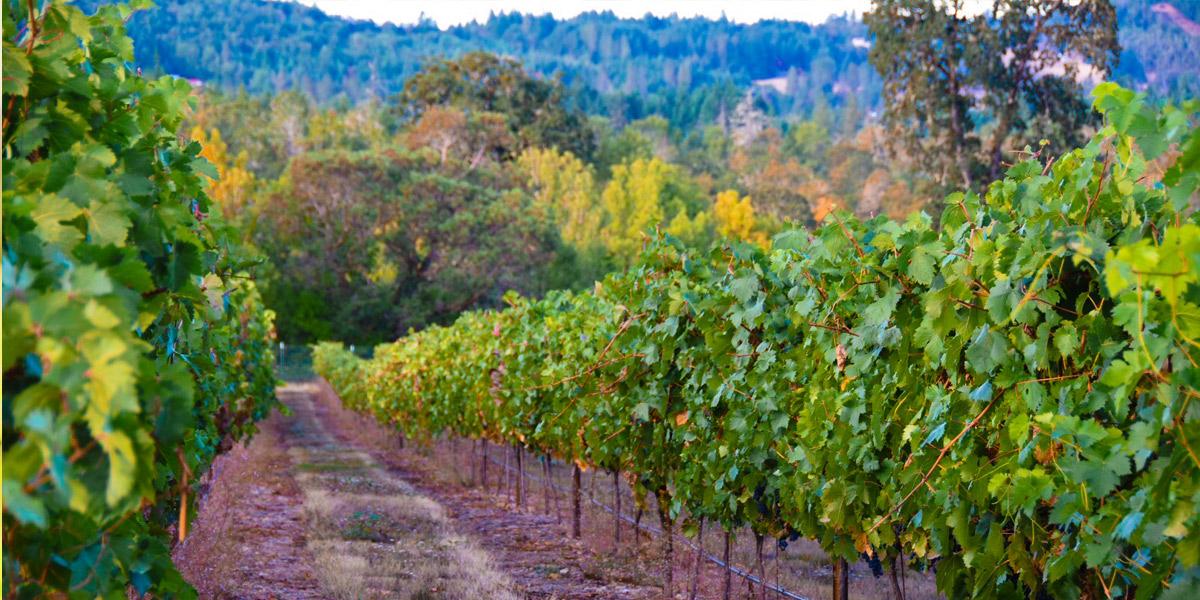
point(592, 495)
point(699, 556)
point(575, 516)
point(470, 464)
point(454, 456)
point(546, 483)
point(507, 475)
point(728, 572)
point(183, 490)
point(520, 503)
point(845, 575)
point(841, 580)
point(669, 538)
point(836, 582)
point(183, 509)
point(483, 475)
point(553, 490)
point(617, 513)
point(637, 534)
point(762, 570)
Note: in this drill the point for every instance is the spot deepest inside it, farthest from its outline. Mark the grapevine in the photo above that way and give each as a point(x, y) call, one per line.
point(136, 347)
point(1006, 394)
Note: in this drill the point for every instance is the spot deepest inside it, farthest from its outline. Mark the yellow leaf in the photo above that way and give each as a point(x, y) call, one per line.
point(100, 316)
point(110, 375)
point(81, 496)
point(122, 463)
point(213, 289)
point(862, 545)
point(681, 419)
point(1177, 527)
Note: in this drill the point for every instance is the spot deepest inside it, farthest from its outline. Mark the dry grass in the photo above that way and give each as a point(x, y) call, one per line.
point(342, 574)
point(382, 538)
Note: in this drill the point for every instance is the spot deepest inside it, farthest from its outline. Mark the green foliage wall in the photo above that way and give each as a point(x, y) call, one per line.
point(135, 345)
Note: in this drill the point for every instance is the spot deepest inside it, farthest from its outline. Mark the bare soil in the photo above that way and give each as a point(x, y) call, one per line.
point(249, 538)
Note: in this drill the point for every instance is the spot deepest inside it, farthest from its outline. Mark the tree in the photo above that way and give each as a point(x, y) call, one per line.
point(564, 190)
point(358, 128)
point(645, 194)
point(233, 188)
point(870, 203)
point(565, 194)
point(455, 135)
point(808, 141)
point(618, 146)
point(777, 182)
point(736, 218)
point(748, 120)
point(1015, 67)
point(369, 244)
point(536, 110)
point(269, 130)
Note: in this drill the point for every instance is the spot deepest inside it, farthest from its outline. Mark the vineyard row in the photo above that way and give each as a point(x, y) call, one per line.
point(136, 345)
point(1006, 396)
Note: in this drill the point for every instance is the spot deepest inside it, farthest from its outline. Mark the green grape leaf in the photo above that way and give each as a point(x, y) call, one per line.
point(107, 223)
point(50, 214)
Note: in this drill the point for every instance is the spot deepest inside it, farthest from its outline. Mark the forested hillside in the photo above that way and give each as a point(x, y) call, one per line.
point(381, 217)
point(628, 66)
point(622, 68)
point(411, 194)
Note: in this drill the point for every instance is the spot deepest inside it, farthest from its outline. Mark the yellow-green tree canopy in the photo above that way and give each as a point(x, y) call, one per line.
point(564, 187)
point(645, 194)
point(736, 218)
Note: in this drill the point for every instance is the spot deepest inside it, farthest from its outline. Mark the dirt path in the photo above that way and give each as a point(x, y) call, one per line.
point(323, 505)
point(532, 549)
point(532, 546)
point(249, 539)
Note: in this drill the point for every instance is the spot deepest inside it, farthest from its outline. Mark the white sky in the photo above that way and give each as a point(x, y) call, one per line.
point(454, 12)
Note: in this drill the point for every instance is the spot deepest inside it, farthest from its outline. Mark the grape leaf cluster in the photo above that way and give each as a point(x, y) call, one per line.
point(136, 347)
